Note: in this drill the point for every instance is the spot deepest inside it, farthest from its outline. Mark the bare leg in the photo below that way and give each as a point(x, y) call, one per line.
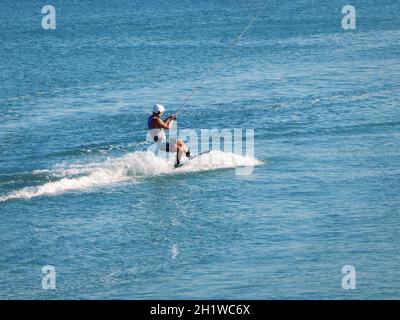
point(179, 147)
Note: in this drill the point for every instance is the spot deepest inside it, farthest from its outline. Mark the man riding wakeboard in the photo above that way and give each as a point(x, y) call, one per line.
point(156, 126)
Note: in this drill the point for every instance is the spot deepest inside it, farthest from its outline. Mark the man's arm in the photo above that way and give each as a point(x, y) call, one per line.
point(167, 123)
point(170, 118)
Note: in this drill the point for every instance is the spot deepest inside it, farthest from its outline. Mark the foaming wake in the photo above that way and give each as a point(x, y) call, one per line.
point(131, 167)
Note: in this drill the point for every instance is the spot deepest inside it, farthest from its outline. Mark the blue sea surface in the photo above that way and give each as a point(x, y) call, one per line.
point(77, 191)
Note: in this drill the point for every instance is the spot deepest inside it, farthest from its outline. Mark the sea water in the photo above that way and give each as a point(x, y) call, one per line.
point(80, 192)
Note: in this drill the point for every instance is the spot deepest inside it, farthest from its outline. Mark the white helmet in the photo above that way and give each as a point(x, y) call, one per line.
point(158, 108)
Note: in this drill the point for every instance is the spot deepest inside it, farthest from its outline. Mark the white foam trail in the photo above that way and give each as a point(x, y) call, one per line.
point(218, 160)
point(127, 168)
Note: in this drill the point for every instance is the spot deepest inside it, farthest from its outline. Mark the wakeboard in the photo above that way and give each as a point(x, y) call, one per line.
point(191, 158)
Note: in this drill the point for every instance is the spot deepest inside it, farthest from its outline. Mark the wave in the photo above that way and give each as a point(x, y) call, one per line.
point(130, 167)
